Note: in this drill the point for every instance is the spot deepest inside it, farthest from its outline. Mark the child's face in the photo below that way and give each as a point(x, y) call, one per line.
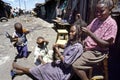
point(40, 41)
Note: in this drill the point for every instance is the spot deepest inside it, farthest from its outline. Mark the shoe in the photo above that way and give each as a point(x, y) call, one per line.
point(13, 74)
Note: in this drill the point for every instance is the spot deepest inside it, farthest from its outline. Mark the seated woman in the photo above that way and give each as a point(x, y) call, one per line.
point(101, 33)
point(59, 69)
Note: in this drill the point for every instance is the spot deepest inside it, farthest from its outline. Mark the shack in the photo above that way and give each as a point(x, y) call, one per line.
point(53, 8)
point(5, 9)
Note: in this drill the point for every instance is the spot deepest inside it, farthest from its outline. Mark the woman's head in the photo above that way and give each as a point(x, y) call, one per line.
point(103, 9)
point(18, 27)
point(76, 32)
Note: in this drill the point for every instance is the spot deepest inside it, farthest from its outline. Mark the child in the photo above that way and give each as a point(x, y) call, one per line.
point(20, 40)
point(41, 54)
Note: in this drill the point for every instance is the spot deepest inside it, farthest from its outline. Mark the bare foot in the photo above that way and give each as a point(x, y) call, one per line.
point(15, 66)
point(21, 68)
point(18, 72)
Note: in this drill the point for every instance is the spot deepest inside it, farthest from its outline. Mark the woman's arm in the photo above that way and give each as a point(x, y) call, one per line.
point(100, 42)
point(60, 46)
point(55, 48)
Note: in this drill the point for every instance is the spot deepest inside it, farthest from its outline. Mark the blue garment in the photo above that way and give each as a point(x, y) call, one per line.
point(21, 45)
point(62, 70)
point(22, 40)
point(22, 51)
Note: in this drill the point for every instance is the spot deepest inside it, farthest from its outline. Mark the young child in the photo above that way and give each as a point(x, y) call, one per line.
point(20, 40)
point(41, 54)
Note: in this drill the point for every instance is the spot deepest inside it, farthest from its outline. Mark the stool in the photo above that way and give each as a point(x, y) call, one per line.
point(62, 33)
point(98, 77)
point(61, 42)
point(62, 36)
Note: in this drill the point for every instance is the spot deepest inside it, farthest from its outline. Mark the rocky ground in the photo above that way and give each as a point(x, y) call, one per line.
point(8, 52)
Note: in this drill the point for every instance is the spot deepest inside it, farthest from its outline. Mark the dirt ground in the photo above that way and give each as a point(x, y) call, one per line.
point(8, 52)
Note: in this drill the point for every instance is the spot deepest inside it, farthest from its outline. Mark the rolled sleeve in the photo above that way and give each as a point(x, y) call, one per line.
point(111, 33)
point(73, 54)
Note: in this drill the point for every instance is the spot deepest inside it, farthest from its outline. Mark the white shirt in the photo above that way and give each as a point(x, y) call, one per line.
point(44, 53)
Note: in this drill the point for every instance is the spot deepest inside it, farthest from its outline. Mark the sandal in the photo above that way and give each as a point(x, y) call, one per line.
point(13, 74)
